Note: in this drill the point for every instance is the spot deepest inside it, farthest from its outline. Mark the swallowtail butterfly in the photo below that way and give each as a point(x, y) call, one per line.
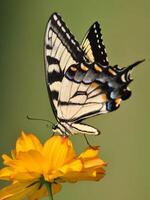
point(79, 79)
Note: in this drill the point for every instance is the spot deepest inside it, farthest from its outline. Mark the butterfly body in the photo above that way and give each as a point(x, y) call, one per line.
point(79, 80)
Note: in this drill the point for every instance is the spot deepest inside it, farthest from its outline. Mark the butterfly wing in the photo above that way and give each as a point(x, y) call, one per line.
point(91, 89)
point(85, 96)
point(93, 46)
point(79, 89)
point(84, 129)
point(61, 51)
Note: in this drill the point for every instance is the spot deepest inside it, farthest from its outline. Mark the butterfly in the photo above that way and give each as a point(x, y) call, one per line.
point(79, 79)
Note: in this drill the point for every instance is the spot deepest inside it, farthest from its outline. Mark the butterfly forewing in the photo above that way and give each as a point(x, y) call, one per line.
point(61, 51)
point(93, 45)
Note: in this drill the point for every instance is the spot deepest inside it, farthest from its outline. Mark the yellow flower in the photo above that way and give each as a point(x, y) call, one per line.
point(33, 166)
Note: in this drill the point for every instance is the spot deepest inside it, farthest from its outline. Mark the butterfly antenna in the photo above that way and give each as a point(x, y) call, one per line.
point(44, 120)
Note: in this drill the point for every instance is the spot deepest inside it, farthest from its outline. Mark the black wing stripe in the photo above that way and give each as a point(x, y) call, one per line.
point(64, 103)
point(52, 60)
point(54, 94)
point(54, 77)
point(48, 47)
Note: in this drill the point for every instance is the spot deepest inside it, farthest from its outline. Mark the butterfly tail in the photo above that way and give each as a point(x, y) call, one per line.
point(120, 90)
point(126, 72)
point(126, 79)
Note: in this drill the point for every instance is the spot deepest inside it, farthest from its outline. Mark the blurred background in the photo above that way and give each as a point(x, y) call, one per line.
point(125, 138)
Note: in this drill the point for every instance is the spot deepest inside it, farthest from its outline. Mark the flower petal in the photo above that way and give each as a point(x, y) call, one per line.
point(58, 151)
point(74, 166)
point(41, 192)
point(18, 190)
point(6, 159)
point(6, 173)
point(95, 162)
point(25, 176)
point(84, 175)
point(31, 161)
point(28, 142)
point(92, 167)
point(90, 153)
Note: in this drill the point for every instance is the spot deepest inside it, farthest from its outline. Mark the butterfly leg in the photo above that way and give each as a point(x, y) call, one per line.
point(88, 143)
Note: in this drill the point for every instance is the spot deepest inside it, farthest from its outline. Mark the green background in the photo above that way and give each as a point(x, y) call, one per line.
point(125, 138)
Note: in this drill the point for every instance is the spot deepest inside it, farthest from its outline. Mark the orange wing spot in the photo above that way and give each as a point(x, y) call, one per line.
point(112, 72)
point(84, 68)
point(103, 97)
point(74, 69)
point(118, 101)
point(94, 85)
point(98, 68)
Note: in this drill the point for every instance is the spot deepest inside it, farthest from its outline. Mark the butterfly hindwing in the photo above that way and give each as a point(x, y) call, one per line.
point(84, 97)
point(84, 129)
point(93, 46)
point(61, 51)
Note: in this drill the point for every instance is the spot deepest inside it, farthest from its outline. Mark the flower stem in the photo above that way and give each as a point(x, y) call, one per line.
point(49, 188)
